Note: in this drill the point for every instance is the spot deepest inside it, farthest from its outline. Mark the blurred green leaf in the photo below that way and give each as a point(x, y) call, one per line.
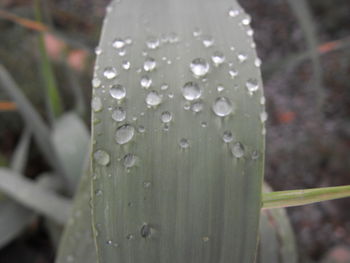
point(71, 140)
point(20, 156)
point(34, 196)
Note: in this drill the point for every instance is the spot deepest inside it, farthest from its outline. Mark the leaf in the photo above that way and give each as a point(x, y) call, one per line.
point(71, 140)
point(34, 196)
point(32, 119)
point(277, 241)
point(20, 156)
point(77, 244)
point(166, 186)
point(13, 219)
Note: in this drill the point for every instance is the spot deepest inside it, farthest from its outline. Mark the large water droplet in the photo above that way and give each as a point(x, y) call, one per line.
point(149, 64)
point(129, 160)
point(124, 134)
point(110, 73)
point(199, 67)
point(227, 137)
point(191, 91)
point(102, 157)
point(117, 91)
point(218, 58)
point(222, 107)
point(119, 114)
point(96, 104)
point(146, 82)
point(252, 86)
point(118, 43)
point(238, 150)
point(166, 117)
point(184, 143)
point(153, 98)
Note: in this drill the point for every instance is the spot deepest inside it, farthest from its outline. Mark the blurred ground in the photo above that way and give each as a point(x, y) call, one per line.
point(308, 138)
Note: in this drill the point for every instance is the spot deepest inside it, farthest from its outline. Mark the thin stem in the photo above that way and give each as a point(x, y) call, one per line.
point(303, 197)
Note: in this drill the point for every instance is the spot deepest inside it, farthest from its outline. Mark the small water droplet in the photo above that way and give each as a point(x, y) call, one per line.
point(96, 104)
point(218, 58)
point(141, 129)
point(119, 114)
point(220, 88)
point(263, 116)
point(110, 73)
point(191, 91)
point(164, 86)
point(204, 124)
point(227, 137)
point(146, 82)
point(149, 64)
point(124, 134)
point(262, 100)
point(173, 38)
point(98, 51)
point(247, 20)
point(257, 62)
point(96, 83)
point(238, 150)
point(129, 160)
point(102, 157)
point(152, 42)
point(145, 231)
point(208, 41)
point(109, 242)
point(117, 91)
point(222, 107)
point(184, 143)
point(122, 52)
point(129, 237)
point(197, 106)
point(255, 155)
point(242, 57)
point(252, 86)
point(233, 73)
point(118, 43)
point(126, 64)
point(153, 98)
point(199, 67)
point(233, 12)
point(250, 32)
point(147, 184)
point(205, 239)
point(166, 117)
point(197, 32)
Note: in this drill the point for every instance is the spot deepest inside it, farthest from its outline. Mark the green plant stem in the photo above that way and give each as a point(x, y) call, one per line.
point(303, 197)
point(53, 99)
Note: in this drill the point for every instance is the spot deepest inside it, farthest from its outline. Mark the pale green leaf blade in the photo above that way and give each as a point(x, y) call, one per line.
point(34, 196)
point(20, 156)
point(176, 192)
point(71, 141)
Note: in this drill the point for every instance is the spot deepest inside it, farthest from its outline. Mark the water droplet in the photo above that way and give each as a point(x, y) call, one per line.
point(208, 41)
point(222, 107)
point(197, 32)
point(117, 91)
point(96, 104)
point(166, 117)
point(124, 134)
point(242, 57)
point(153, 98)
point(238, 150)
point(126, 64)
point(141, 129)
point(262, 100)
point(122, 52)
point(147, 184)
point(118, 43)
point(250, 32)
point(252, 86)
point(255, 155)
point(233, 12)
point(109, 242)
point(102, 157)
point(263, 116)
point(146, 82)
point(227, 137)
point(199, 67)
point(257, 62)
point(149, 64)
point(98, 51)
point(110, 73)
point(197, 106)
point(205, 239)
point(119, 114)
point(96, 83)
point(152, 42)
point(173, 38)
point(164, 86)
point(184, 143)
point(191, 91)
point(247, 20)
point(129, 160)
point(220, 88)
point(145, 231)
point(233, 73)
point(204, 124)
point(218, 58)
point(129, 237)
point(128, 40)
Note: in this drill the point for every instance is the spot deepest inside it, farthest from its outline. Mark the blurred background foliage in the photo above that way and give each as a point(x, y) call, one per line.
point(305, 49)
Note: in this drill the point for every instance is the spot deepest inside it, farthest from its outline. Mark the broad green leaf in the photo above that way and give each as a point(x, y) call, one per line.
point(77, 244)
point(71, 140)
point(13, 219)
point(277, 242)
point(179, 178)
point(34, 196)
